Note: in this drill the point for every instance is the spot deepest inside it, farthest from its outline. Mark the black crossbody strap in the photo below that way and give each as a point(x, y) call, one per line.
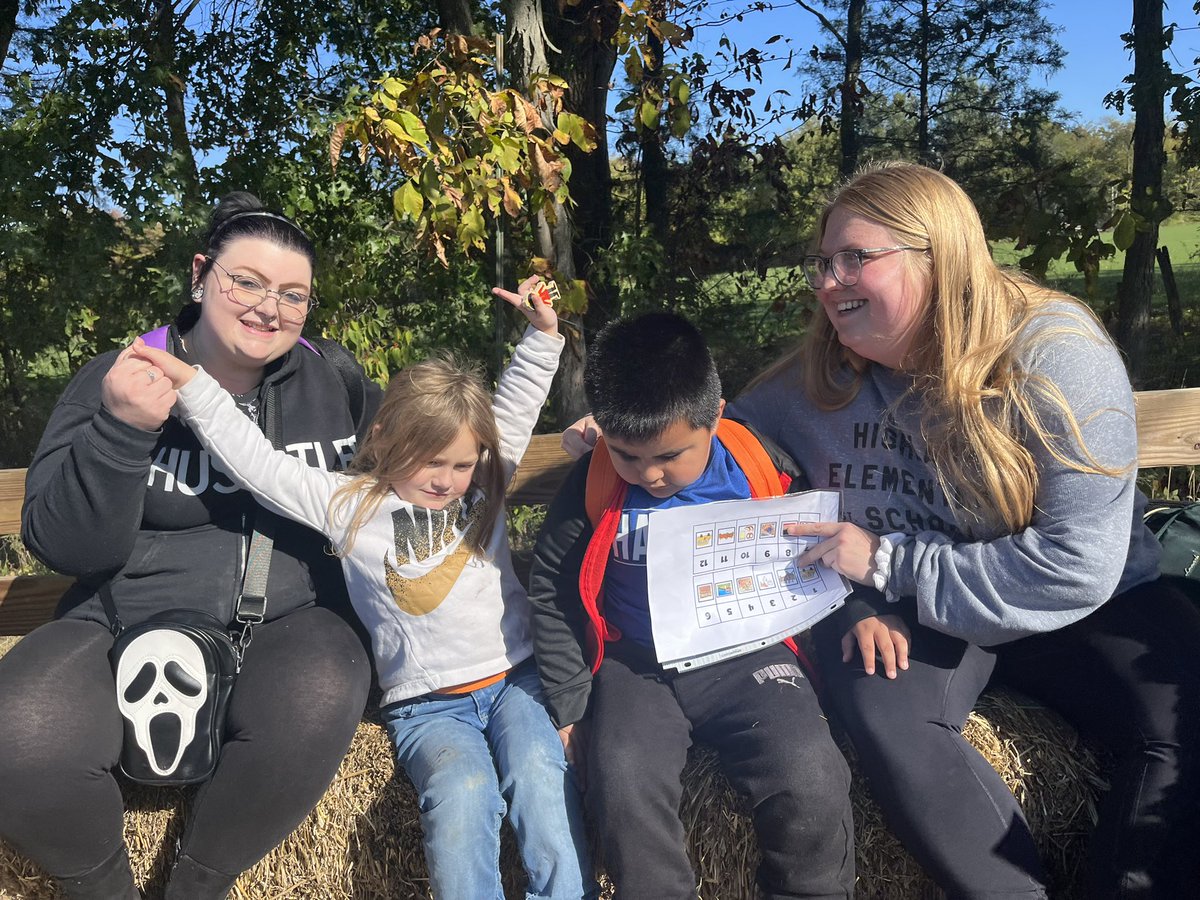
point(251, 606)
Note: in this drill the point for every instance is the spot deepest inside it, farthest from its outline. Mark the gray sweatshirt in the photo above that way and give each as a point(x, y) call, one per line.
point(1086, 541)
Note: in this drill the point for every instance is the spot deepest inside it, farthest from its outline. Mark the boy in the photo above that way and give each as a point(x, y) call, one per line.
point(656, 395)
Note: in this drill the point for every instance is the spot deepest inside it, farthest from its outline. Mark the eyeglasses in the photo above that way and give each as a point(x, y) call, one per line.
point(243, 290)
point(846, 265)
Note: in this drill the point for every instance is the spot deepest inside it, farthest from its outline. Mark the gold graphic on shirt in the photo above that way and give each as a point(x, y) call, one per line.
point(422, 533)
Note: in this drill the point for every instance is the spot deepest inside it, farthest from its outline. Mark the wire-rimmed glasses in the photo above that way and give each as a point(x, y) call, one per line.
point(293, 306)
point(846, 265)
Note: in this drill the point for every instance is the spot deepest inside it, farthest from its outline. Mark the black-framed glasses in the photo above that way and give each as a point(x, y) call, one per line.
point(846, 265)
point(293, 306)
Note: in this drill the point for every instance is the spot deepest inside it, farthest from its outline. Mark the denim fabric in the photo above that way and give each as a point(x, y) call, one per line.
point(474, 757)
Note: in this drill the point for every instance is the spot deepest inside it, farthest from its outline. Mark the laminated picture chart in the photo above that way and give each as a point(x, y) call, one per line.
point(723, 580)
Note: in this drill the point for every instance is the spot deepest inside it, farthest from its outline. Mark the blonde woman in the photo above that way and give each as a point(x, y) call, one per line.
point(981, 430)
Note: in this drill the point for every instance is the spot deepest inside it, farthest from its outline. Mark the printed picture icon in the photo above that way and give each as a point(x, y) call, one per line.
point(746, 533)
point(704, 592)
point(766, 581)
point(724, 588)
point(789, 576)
point(745, 584)
point(808, 573)
point(787, 525)
point(766, 530)
point(726, 534)
point(703, 539)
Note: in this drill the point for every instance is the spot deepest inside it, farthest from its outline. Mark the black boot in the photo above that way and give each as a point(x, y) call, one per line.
point(191, 880)
point(111, 880)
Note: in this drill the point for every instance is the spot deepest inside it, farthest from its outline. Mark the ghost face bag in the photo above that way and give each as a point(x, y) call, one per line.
point(174, 674)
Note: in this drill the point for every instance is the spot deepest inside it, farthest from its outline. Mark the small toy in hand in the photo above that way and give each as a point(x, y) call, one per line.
point(546, 292)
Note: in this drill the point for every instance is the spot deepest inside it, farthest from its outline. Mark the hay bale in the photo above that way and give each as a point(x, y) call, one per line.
point(363, 841)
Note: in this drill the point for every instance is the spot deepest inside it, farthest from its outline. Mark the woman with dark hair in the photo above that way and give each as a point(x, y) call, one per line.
point(121, 495)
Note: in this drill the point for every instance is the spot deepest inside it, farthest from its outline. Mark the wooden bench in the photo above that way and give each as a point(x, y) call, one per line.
point(363, 840)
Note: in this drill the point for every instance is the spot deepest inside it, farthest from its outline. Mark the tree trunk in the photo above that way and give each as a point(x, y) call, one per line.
point(8, 26)
point(1148, 93)
point(455, 16)
point(1171, 286)
point(161, 50)
point(851, 110)
point(583, 55)
point(923, 153)
point(654, 156)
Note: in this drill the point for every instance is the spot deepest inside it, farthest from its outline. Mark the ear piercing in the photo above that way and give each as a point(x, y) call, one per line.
point(197, 294)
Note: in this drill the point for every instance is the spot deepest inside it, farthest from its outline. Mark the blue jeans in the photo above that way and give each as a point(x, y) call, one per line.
point(472, 758)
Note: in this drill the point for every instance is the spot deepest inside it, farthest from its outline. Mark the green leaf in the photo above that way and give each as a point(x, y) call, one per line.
point(649, 115)
point(407, 201)
point(414, 127)
point(471, 227)
point(680, 89)
point(1124, 232)
point(633, 67)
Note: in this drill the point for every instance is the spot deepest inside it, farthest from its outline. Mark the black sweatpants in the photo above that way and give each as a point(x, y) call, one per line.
point(1127, 676)
point(761, 715)
point(298, 699)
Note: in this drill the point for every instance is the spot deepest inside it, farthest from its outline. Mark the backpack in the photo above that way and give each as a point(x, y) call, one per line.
point(1177, 527)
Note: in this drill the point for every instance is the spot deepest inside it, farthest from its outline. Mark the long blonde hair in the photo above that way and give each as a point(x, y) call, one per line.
point(974, 397)
point(421, 413)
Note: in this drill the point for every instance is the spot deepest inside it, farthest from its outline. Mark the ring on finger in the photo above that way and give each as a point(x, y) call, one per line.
point(152, 375)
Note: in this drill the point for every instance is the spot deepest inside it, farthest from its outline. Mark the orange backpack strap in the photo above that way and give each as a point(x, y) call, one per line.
point(603, 483)
point(754, 461)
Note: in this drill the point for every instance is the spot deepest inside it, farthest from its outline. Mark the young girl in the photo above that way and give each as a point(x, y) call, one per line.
point(419, 526)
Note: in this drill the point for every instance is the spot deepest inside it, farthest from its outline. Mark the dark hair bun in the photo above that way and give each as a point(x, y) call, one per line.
point(231, 205)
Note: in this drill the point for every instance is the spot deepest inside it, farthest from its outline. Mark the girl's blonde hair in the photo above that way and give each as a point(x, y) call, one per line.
point(420, 415)
point(973, 394)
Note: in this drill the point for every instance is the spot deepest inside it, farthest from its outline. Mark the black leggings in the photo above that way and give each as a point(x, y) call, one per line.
point(1128, 676)
point(298, 700)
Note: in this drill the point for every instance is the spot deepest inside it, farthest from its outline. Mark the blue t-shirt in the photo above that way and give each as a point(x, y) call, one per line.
point(625, 597)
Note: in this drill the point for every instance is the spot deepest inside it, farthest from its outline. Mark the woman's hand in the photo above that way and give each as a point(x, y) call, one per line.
point(845, 548)
point(884, 636)
point(173, 369)
point(136, 391)
point(581, 437)
point(539, 311)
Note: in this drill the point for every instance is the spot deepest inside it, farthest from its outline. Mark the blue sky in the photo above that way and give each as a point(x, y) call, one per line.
point(1095, 64)
point(1096, 59)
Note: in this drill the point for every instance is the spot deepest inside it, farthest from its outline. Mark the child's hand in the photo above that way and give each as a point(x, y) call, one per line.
point(537, 305)
point(845, 548)
point(580, 437)
point(574, 741)
point(884, 636)
point(175, 370)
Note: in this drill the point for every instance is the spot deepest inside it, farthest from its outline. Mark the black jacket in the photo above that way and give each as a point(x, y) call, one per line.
point(105, 501)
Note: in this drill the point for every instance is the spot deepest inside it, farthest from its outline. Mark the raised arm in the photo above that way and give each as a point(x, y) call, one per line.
point(525, 381)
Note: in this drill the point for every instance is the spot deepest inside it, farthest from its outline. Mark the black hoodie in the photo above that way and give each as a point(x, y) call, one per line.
point(147, 511)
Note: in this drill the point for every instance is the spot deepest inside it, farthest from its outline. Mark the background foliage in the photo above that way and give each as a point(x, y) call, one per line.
point(622, 148)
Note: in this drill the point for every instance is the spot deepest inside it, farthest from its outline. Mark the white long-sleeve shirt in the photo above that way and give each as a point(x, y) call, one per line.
point(438, 616)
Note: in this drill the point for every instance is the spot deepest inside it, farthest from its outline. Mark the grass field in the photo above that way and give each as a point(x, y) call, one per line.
point(1176, 361)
